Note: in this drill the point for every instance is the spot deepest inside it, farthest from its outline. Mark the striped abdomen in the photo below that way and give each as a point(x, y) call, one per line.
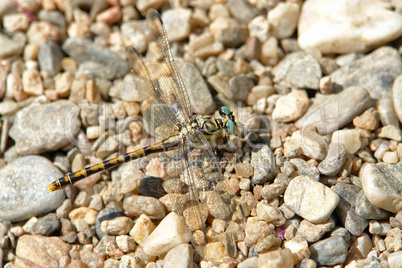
point(71, 178)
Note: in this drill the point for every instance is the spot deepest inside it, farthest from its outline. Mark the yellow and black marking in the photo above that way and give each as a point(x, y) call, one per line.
point(71, 178)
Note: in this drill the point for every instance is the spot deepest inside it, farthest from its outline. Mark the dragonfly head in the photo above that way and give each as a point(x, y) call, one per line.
point(229, 119)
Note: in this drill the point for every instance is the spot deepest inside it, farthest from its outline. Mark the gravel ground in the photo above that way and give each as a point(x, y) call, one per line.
point(316, 162)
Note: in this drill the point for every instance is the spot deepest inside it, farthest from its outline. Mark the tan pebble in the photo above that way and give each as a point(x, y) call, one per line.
point(63, 84)
point(110, 16)
point(325, 85)
point(32, 82)
point(143, 227)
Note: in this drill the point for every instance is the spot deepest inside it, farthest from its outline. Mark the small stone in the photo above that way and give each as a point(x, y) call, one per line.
point(257, 229)
point(259, 27)
point(368, 120)
point(334, 160)
point(270, 53)
point(19, 198)
point(379, 184)
point(242, 11)
point(50, 56)
point(270, 214)
point(346, 211)
point(266, 243)
point(263, 161)
point(369, 72)
point(386, 109)
point(228, 31)
point(299, 248)
point(367, 210)
point(379, 228)
point(277, 258)
point(8, 107)
point(341, 109)
point(200, 97)
point(15, 22)
point(63, 84)
point(177, 23)
point(299, 69)
point(305, 168)
point(283, 19)
point(117, 226)
point(160, 241)
point(350, 138)
point(110, 16)
point(391, 132)
point(313, 232)
point(290, 107)
point(143, 227)
point(56, 116)
point(330, 251)
point(180, 256)
point(10, 47)
point(310, 199)
point(243, 169)
point(42, 251)
point(32, 82)
point(310, 142)
point(46, 225)
point(136, 205)
point(83, 213)
point(259, 92)
point(317, 13)
point(397, 97)
point(395, 259)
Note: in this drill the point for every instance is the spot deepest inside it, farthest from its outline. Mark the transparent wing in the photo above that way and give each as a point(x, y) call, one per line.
point(198, 190)
point(163, 68)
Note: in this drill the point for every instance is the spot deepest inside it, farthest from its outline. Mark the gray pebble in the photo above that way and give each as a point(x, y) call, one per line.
point(42, 128)
point(242, 10)
point(334, 160)
point(330, 251)
point(151, 186)
point(299, 69)
point(343, 107)
point(103, 215)
point(367, 210)
point(375, 72)
point(49, 57)
point(46, 225)
point(346, 208)
point(200, 97)
point(82, 50)
point(23, 188)
point(385, 106)
point(305, 168)
point(263, 161)
point(9, 47)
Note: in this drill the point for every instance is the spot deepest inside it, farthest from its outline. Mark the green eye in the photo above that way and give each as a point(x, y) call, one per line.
point(225, 110)
point(231, 127)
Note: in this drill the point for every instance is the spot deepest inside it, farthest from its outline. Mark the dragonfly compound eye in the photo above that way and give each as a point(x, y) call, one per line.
point(231, 127)
point(224, 111)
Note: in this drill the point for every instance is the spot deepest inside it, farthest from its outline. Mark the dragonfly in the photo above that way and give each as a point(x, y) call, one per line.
point(193, 175)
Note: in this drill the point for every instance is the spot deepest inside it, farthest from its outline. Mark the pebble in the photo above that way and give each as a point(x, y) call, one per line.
point(200, 97)
point(177, 23)
point(330, 251)
point(259, 27)
point(15, 22)
point(228, 32)
point(379, 228)
point(10, 47)
point(397, 97)
point(303, 167)
point(143, 227)
point(259, 92)
point(46, 225)
point(390, 132)
point(395, 259)
point(349, 138)
point(374, 72)
point(50, 56)
point(86, 214)
point(298, 69)
point(23, 198)
point(59, 117)
point(249, 262)
point(299, 248)
point(151, 186)
point(117, 226)
point(83, 50)
point(136, 205)
point(310, 142)
point(126, 243)
point(313, 232)
point(263, 161)
point(270, 53)
point(42, 251)
point(340, 109)
point(257, 229)
point(160, 241)
point(310, 199)
point(334, 160)
point(8, 107)
point(215, 252)
point(134, 31)
point(363, 34)
point(346, 211)
point(180, 256)
point(32, 82)
point(386, 110)
point(276, 258)
point(110, 16)
point(266, 243)
point(367, 210)
point(283, 19)
point(63, 84)
point(379, 183)
point(290, 107)
point(368, 120)
point(270, 214)
point(242, 11)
